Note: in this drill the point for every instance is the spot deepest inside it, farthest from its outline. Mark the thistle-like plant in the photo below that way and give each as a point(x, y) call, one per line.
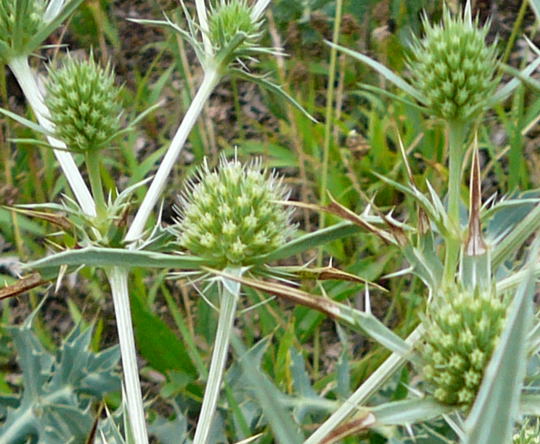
point(220, 243)
point(473, 345)
point(453, 78)
point(54, 406)
point(97, 220)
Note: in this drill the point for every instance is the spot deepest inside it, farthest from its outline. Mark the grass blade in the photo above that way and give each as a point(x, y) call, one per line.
point(285, 431)
point(383, 70)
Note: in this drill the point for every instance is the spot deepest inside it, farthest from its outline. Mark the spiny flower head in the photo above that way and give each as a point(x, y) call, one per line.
point(84, 104)
point(232, 215)
point(29, 24)
point(230, 17)
point(453, 67)
point(462, 330)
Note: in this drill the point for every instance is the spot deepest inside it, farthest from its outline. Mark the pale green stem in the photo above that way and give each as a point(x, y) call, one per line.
point(210, 80)
point(203, 23)
point(227, 311)
point(27, 81)
point(329, 109)
point(456, 151)
point(94, 174)
point(119, 288)
point(364, 392)
point(258, 9)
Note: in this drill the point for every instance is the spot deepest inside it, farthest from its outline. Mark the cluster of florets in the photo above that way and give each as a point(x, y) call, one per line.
point(528, 433)
point(29, 22)
point(233, 215)
point(462, 330)
point(230, 17)
point(84, 104)
point(454, 68)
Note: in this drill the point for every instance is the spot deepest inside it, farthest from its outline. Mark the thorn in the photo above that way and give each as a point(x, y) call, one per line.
point(61, 275)
point(367, 301)
point(475, 245)
point(405, 161)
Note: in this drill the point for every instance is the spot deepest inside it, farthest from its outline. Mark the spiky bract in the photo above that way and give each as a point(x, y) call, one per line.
point(227, 19)
point(462, 330)
point(232, 215)
point(30, 20)
point(454, 68)
point(84, 104)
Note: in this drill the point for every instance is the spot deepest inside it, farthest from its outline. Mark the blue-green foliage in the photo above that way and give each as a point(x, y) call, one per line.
point(55, 406)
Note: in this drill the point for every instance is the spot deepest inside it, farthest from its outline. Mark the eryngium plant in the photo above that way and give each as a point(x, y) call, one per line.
point(234, 214)
point(462, 329)
point(84, 104)
point(453, 67)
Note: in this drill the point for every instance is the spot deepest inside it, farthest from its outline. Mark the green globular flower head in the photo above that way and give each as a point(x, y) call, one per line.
point(84, 104)
point(227, 19)
point(462, 330)
point(454, 68)
point(30, 20)
point(232, 215)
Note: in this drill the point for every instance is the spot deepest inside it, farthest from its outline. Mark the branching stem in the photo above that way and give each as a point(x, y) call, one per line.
point(210, 80)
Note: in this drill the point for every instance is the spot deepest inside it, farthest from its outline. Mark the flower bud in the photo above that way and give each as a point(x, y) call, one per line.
point(227, 19)
point(462, 330)
point(232, 215)
point(454, 68)
point(84, 104)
